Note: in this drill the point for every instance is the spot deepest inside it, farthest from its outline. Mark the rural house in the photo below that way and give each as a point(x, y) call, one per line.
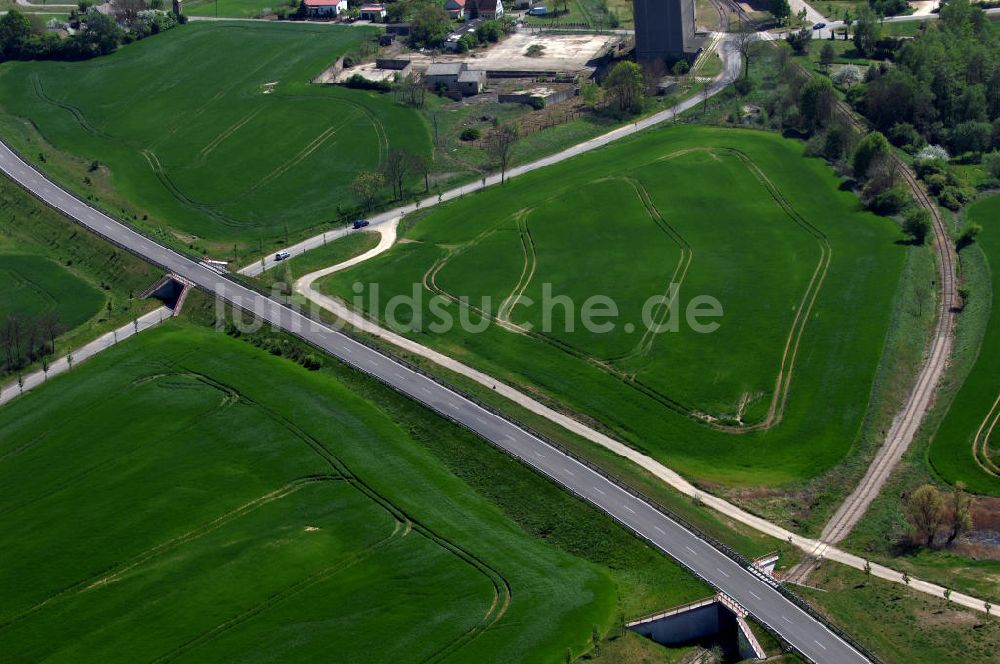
point(489, 9)
point(325, 8)
point(455, 9)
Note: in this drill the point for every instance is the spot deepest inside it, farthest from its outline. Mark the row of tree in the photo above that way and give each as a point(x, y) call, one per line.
point(96, 33)
point(401, 166)
point(27, 339)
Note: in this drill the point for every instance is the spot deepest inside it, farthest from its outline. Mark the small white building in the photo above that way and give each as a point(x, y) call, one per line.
point(325, 8)
point(374, 12)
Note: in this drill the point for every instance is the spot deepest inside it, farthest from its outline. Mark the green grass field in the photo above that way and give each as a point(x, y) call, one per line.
point(210, 133)
point(236, 8)
point(35, 286)
point(966, 446)
point(248, 506)
point(740, 216)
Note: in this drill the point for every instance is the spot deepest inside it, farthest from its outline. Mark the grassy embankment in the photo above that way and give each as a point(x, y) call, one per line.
point(51, 265)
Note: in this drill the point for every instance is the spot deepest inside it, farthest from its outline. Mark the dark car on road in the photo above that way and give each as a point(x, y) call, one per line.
point(360, 223)
point(819, 26)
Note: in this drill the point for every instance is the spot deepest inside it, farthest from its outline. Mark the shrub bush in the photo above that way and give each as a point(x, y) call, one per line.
point(470, 134)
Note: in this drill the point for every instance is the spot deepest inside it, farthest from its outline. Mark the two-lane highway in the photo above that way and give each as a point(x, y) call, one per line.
point(810, 637)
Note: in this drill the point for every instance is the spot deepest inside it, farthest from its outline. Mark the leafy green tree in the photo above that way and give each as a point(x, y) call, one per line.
point(102, 35)
point(991, 162)
point(429, 26)
point(366, 187)
point(800, 40)
point(624, 86)
point(972, 136)
point(925, 511)
point(917, 224)
point(591, 93)
point(867, 32)
point(780, 10)
point(872, 148)
point(15, 31)
point(816, 102)
point(968, 236)
point(827, 56)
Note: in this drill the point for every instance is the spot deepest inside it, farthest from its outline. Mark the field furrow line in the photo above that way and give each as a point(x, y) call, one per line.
point(981, 441)
point(115, 572)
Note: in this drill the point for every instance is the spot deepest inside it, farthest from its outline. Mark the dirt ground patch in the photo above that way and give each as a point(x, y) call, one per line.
point(562, 53)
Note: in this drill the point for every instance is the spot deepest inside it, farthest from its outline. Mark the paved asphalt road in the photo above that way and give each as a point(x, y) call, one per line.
point(807, 635)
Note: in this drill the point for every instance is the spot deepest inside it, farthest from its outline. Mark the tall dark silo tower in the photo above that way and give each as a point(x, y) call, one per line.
point(664, 29)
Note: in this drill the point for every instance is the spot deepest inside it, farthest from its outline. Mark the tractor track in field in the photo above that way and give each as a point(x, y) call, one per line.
point(502, 593)
point(676, 279)
point(287, 593)
point(527, 271)
point(981, 441)
point(78, 115)
point(793, 341)
point(114, 572)
point(184, 199)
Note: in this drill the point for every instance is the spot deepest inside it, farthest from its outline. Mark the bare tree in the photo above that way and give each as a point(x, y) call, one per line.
point(500, 146)
point(744, 38)
point(395, 169)
point(411, 91)
point(53, 326)
point(422, 167)
point(127, 11)
point(653, 72)
point(961, 512)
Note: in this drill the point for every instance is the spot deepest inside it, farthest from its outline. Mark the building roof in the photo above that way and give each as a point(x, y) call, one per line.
point(454, 3)
point(471, 76)
point(488, 6)
point(323, 3)
point(446, 69)
point(377, 7)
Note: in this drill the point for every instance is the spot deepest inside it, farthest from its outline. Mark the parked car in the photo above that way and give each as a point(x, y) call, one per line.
point(538, 11)
point(360, 223)
point(819, 26)
point(281, 255)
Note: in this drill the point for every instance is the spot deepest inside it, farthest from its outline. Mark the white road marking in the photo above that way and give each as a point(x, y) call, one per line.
point(452, 405)
point(786, 620)
point(819, 644)
point(691, 550)
point(570, 472)
point(755, 595)
point(659, 530)
point(509, 437)
point(539, 454)
point(629, 509)
point(722, 573)
point(599, 491)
